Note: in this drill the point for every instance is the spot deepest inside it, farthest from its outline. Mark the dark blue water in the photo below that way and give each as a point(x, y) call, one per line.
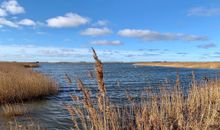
point(121, 77)
point(51, 113)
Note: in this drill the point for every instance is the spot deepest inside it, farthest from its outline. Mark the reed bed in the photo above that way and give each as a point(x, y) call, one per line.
point(166, 110)
point(18, 83)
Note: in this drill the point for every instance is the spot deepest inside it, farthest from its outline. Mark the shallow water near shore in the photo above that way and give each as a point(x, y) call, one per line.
point(50, 112)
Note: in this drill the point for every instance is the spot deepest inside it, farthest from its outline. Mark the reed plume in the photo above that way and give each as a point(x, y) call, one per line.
point(99, 73)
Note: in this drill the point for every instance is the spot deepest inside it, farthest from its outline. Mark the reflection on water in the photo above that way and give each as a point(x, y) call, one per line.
point(50, 112)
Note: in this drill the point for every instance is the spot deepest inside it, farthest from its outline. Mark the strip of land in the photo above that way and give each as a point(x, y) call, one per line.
point(210, 65)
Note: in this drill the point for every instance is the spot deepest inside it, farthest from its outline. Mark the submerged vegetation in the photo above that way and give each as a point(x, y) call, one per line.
point(12, 110)
point(18, 83)
point(15, 125)
point(165, 110)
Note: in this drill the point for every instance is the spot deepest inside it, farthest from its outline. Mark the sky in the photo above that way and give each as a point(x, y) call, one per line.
point(119, 30)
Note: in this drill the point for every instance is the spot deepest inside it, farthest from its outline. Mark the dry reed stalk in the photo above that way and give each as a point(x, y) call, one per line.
point(90, 75)
point(102, 89)
point(166, 110)
point(67, 77)
point(93, 113)
point(99, 73)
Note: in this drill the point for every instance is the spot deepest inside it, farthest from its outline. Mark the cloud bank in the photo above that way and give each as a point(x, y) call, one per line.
point(106, 43)
point(202, 11)
point(96, 31)
point(55, 54)
point(149, 35)
point(207, 46)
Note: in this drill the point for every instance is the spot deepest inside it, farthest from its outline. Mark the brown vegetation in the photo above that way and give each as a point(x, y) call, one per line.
point(18, 83)
point(15, 125)
point(31, 65)
point(12, 110)
point(166, 110)
point(181, 64)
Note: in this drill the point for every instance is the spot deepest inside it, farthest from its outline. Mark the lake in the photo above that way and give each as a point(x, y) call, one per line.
point(50, 112)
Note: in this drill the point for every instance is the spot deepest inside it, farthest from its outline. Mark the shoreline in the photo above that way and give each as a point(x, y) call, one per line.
point(196, 65)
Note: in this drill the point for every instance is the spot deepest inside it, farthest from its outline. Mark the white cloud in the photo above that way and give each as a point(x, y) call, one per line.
point(202, 11)
point(12, 7)
point(2, 13)
point(14, 24)
point(8, 23)
point(96, 31)
point(157, 36)
point(69, 20)
point(207, 46)
point(27, 22)
point(105, 42)
point(42, 33)
point(102, 23)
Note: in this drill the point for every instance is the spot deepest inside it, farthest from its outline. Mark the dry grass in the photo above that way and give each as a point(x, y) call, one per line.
point(18, 83)
point(182, 64)
point(166, 110)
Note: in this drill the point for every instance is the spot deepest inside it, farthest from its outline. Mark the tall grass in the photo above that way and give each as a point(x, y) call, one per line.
point(165, 110)
point(18, 83)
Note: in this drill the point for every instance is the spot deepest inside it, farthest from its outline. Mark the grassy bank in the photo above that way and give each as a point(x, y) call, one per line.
point(182, 64)
point(166, 110)
point(18, 83)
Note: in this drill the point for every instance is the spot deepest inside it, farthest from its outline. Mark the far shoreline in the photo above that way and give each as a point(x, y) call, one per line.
point(195, 65)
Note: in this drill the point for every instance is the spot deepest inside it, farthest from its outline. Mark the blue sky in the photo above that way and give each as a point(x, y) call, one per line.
point(120, 30)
